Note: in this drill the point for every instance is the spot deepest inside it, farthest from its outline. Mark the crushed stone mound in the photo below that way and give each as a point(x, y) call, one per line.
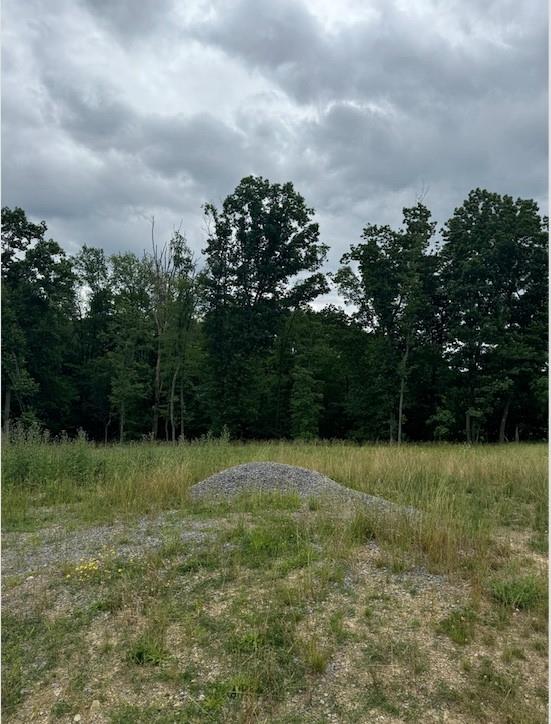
point(268, 477)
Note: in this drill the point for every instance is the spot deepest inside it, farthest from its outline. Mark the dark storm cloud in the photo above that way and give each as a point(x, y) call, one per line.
point(114, 111)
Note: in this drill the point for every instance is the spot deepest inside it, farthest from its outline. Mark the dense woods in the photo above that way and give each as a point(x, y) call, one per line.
point(444, 336)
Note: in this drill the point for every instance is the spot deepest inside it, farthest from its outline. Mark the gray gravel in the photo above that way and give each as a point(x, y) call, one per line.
point(24, 553)
point(269, 477)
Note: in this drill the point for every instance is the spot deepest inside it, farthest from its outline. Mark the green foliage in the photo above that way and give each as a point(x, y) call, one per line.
point(261, 238)
point(493, 271)
point(443, 343)
point(305, 404)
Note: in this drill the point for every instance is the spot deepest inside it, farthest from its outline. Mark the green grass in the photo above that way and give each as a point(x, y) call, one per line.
point(519, 592)
point(459, 625)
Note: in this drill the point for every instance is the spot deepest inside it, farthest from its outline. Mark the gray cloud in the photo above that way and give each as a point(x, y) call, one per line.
point(127, 19)
point(115, 111)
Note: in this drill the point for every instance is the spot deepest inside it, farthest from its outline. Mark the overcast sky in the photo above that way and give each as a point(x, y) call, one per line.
point(117, 110)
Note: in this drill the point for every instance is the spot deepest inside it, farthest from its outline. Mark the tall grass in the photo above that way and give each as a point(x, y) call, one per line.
point(465, 492)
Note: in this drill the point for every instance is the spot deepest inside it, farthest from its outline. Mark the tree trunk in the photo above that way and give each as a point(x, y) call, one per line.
point(503, 422)
point(517, 436)
point(171, 402)
point(391, 428)
point(282, 347)
point(402, 387)
point(7, 412)
point(107, 428)
point(157, 402)
point(182, 407)
point(400, 408)
point(468, 426)
point(121, 424)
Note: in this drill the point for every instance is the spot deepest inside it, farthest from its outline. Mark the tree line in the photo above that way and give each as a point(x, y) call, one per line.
point(444, 336)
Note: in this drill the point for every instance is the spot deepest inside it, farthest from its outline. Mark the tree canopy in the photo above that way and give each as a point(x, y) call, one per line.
point(438, 341)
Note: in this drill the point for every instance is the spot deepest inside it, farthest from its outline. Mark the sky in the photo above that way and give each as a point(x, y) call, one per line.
point(114, 111)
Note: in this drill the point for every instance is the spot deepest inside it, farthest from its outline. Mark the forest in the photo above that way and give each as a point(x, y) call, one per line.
point(443, 335)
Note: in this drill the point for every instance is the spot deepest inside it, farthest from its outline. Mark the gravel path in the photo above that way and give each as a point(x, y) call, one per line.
point(24, 553)
point(266, 477)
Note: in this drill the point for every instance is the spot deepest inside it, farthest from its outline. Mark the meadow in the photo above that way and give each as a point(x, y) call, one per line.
point(267, 609)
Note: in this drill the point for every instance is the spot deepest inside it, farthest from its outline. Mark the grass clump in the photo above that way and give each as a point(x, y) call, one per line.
point(149, 649)
point(519, 592)
point(459, 626)
point(316, 655)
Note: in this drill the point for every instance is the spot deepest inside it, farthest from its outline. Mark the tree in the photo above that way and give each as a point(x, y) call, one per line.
point(261, 239)
point(95, 334)
point(388, 290)
point(133, 341)
point(39, 305)
point(494, 272)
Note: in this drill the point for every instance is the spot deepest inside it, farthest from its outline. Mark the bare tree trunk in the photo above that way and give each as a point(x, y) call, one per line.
point(517, 436)
point(402, 388)
point(157, 401)
point(468, 426)
point(121, 424)
point(182, 407)
point(503, 422)
point(391, 428)
point(7, 412)
point(282, 345)
point(400, 408)
point(171, 402)
point(107, 427)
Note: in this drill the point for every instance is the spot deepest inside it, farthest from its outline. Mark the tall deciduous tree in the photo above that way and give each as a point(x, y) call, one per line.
point(95, 334)
point(133, 341)
point(38, 299)
point(494, 273)
point(388, 289)
point(261, 239)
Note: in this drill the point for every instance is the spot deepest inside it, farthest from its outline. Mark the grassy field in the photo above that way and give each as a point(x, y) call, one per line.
point(268, 610)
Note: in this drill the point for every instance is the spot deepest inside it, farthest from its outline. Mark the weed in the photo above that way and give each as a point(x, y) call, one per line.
point(61, 708)
point(488, 677)
point(316, 655)
point(337, 628)
point(519, 592)
point(147, 649)
point(512, 653)
point(458, 625)
point(539, 542)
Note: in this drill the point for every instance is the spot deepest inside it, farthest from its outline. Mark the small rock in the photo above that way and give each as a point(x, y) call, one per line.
point(95, 707)
point(77, 717)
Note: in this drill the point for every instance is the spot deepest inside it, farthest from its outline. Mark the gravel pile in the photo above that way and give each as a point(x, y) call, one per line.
point(268, 477)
